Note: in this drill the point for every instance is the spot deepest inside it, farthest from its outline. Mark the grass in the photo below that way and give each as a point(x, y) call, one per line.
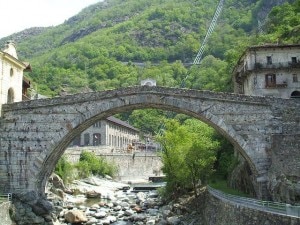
point(221, 185)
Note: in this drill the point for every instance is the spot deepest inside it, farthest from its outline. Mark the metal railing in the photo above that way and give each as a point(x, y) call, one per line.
point(266, 206)
point(5, 198)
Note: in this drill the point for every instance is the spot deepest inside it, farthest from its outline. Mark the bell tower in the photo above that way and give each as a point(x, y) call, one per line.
point(11, 75)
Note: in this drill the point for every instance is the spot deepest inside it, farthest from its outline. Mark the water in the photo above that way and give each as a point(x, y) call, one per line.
point(130, 194)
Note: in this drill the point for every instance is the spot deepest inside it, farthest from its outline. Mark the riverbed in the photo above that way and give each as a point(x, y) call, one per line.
point(114, 203)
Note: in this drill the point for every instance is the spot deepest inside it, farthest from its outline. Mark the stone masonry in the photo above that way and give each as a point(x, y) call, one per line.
point(265, 130)
point(137, 166)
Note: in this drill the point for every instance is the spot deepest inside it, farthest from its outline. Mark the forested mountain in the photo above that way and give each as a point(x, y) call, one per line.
point(98, 48)
point(118, 43)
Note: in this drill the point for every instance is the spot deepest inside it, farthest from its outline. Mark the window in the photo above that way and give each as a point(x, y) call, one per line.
point(114, 140)
point(96, 139)
point(255, 81)
point(11, 72)
point(10, 96)
point(269, 60)
point(295, 78)
point(97, 124)
point(294, 60)
point(270, 80)
point(86, 139)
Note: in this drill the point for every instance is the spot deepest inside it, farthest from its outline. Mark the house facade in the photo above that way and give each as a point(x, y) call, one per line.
point(13, 85)
point(111, 132)
point(269, 70)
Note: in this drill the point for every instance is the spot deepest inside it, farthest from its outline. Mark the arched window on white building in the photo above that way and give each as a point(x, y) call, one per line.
point(10, 96)
point(11, 72)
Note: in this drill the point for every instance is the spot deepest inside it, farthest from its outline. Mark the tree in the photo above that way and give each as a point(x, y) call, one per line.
point(189, 153)
point(147, 120)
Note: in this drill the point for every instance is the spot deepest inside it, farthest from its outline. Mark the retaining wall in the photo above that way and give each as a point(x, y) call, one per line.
point(219, 212)
point(138, 166)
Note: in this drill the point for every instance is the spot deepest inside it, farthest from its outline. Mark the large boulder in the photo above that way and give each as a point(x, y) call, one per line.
point(57, 182)
point(75, 216)
point(42, 207)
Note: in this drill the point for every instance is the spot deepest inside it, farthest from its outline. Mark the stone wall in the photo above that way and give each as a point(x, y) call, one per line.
point(138, 166)
point(217, 212)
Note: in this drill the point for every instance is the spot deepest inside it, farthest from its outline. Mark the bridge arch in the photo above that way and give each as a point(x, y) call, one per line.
point(102, 108)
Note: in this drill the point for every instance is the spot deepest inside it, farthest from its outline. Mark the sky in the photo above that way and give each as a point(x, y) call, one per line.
point(18, 15)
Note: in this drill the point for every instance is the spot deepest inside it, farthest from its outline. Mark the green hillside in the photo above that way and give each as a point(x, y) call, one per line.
point(117, 43)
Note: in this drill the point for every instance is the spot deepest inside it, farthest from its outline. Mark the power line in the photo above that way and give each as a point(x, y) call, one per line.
point(209, 32)
point(211, 28)
point(201, 50)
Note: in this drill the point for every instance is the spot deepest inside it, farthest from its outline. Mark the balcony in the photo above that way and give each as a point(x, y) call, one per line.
point(281, 65)
point(274, 85)
point(294, 64)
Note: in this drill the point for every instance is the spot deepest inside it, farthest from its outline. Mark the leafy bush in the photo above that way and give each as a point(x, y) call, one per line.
point(65, 170)
point(90, 164)
point(83, 169)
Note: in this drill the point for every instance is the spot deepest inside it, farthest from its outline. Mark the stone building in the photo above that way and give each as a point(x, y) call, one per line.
point(269, 70)
point(111, 132)
point(13, 85)
point(148, 82)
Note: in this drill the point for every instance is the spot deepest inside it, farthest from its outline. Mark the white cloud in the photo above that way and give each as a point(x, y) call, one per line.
point(17, 15)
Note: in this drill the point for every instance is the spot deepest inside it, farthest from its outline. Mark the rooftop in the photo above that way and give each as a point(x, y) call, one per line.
point(121, 122)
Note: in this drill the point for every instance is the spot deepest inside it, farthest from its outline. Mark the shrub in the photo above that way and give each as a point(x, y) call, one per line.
point(90, 164)
point(65, 170)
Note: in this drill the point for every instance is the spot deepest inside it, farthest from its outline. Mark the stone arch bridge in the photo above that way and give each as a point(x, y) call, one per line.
point(34, 134)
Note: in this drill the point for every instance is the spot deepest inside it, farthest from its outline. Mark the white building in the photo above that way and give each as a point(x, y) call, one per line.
point(269, 70)
point(13, 86)
point(111, 132)
point(148, 82)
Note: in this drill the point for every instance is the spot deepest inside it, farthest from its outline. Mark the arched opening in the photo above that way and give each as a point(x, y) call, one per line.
point(11, 72)
point(86, 139)
point(10, 96)
point(207, 118)
point(295, 94)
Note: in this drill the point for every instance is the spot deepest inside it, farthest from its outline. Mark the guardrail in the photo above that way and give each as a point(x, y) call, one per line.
point(5, 197)
point(266, 206)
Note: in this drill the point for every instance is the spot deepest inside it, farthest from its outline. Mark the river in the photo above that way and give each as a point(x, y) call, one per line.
point(119, 202)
